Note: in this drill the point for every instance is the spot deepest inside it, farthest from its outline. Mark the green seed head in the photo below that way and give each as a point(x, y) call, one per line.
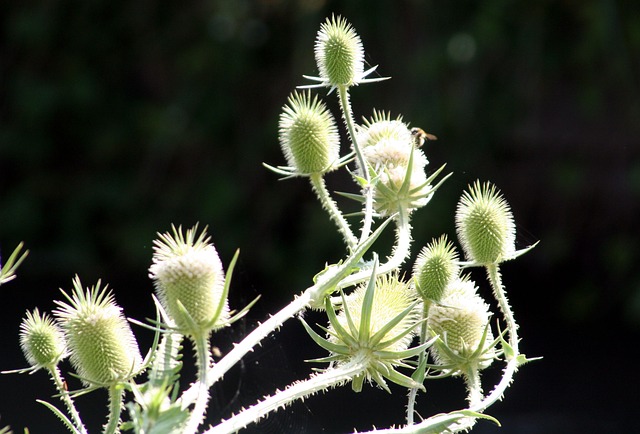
point(460, 320)
point(435, 267)
point(339, 53)
point(42, 340)
point(189, 280)
point(485, 226)
point(102, 346)
point(308, 135)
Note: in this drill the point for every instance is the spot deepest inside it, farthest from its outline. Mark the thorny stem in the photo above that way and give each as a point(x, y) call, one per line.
point(495, 279)
point(246, 345)
point(300, 390)
point(203, 356)
point(56, 376)
point(320, 188)
point(116, 393)
point(347, 113)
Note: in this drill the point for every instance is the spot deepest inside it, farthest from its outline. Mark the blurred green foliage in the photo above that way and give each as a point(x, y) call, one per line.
point(118, 118)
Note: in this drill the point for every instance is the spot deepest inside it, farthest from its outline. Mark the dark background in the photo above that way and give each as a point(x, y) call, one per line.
point(119, 118)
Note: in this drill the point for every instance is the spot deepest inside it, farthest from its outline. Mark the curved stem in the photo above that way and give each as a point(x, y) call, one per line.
point(56, 376)
point(320, 188)
point(316, 383)
point(116, 393)
point(203, 356)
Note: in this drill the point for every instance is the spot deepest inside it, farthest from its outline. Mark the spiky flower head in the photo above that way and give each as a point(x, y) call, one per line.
point(375, 327)
point(435, 267)
point(388, 147)
point(102, 347)
point(308, 135)
point(42, 340)
point(461, 320)
point(339, 53)
point(485, 225)
point(190, 281)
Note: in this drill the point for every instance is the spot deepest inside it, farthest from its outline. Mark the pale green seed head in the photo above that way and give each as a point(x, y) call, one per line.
point(308, 135)
point(388, 147)
point(485, 225)
point(391, 297)
point(189, 280)
point(339, 53)
point(102, 347)
point(460, 319)
point(435, 267)
point(42, 340)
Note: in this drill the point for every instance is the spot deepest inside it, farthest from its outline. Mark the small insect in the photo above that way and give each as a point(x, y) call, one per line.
point(216, 352)
point(420, 136)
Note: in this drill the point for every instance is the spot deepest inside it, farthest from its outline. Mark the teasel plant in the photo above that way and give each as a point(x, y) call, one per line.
point(382, 328)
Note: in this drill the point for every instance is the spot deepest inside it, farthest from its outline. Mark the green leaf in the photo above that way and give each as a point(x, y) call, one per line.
point(327, 345)
point(367, 307)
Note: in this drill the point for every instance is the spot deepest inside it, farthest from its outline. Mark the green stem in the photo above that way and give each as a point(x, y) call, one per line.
point(56, 376)
point(419, 375)
point(320, 188)
point(495, 279)
point(116, 393)
point(474, 386)
point(347, 114)
point(203, 356)
point(316, 383)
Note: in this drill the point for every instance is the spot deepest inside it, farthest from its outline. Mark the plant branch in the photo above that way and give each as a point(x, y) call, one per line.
point(300, 390)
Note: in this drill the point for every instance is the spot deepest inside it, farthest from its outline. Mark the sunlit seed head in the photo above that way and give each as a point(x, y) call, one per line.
point(102, 347)
point(308, 135)
point(392, 296)
point(339, 53)
point(460, 319)
point(42, 340)
point(187, 273)
point(485, 225)
point(435, 267)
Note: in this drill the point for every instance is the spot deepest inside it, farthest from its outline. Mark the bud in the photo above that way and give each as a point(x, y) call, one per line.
point(189, 280)
point(485, 226)
point(435, 267)
point(461, 320)
point(308, 135)
point(42, 340)
point(388, 147)
point(102, 347)
point(339, 53)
